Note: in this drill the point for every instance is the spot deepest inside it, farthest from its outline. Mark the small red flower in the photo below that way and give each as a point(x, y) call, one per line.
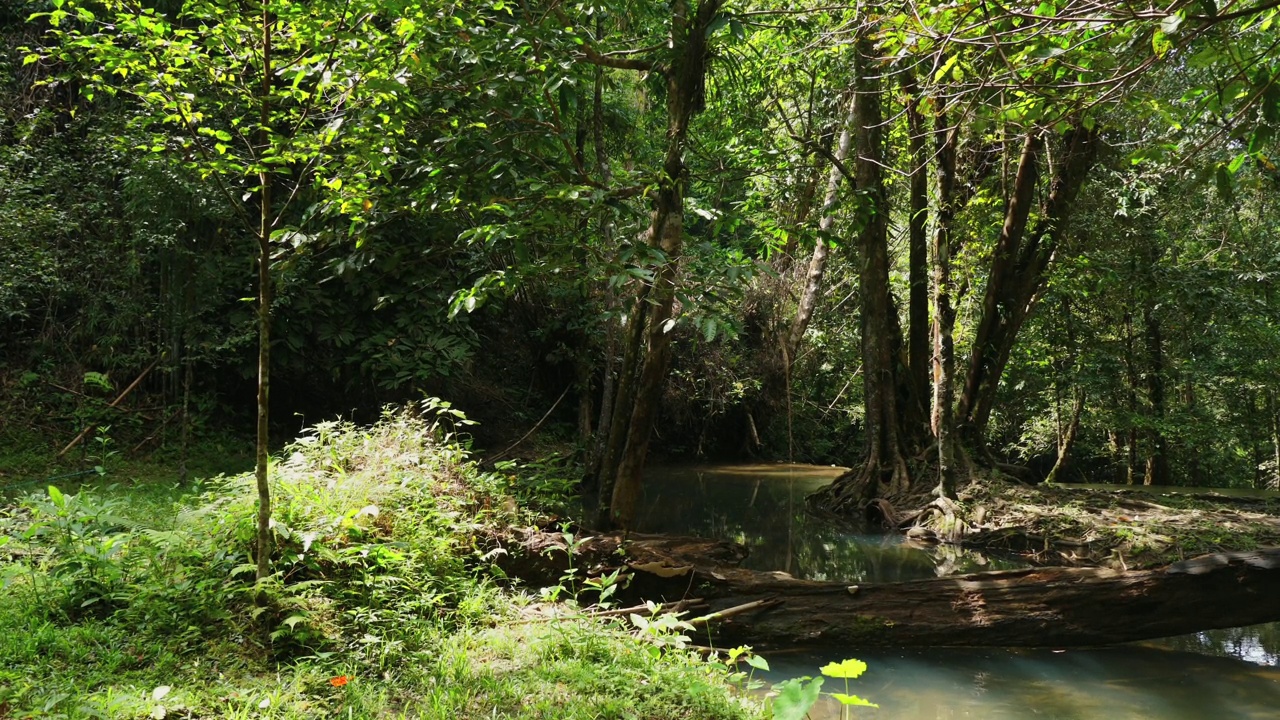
point(339, 681)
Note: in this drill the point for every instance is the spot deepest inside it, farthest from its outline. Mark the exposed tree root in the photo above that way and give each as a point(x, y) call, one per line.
point(1048, 525)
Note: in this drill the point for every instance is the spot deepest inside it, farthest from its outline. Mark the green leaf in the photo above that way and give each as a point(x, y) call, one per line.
point(846, 669)
point(758, 663)
point(795, 698)
point(853, 700)
point(1160, 43)
point(946, 68)
point(59, 500)
point(1225, 183)
point(719, 21)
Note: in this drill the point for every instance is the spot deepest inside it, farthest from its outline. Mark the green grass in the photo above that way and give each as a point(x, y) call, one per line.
point(135, 599)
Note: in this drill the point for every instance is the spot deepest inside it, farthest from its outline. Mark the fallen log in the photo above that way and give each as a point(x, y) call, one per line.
point(1038, 607)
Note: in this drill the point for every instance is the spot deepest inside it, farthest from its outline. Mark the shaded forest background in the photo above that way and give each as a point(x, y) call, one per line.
point(495, 258)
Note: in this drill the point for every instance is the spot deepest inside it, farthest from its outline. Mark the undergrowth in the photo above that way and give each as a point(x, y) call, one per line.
point(384, 601)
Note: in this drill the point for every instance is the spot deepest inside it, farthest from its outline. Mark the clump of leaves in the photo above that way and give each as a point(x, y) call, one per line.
point(795, 697)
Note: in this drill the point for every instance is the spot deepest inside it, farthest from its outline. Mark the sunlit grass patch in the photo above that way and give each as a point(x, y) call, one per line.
point(138, 600)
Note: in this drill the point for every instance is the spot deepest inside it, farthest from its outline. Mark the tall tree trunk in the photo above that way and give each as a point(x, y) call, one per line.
point(884, 471)
point(997, 298)
point(1019, 270)
point(608, 394)
point(918, 339)
point(685, 97)
point(944, 315)
point(1068, 438)
point(821, 251)
point(1157, 472)
point(1275, 439)
point(264, 314)
point(1131, 372)
point(624, 400)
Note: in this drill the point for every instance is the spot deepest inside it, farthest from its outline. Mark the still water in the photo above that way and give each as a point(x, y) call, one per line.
point(1225, 674)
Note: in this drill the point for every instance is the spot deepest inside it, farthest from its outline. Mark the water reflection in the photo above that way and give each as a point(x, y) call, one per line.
point(762, 507)
point(1121, 683)
point(1258, 644)
point(1221, 674)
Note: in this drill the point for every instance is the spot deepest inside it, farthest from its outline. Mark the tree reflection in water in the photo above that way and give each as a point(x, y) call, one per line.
point(763, 507)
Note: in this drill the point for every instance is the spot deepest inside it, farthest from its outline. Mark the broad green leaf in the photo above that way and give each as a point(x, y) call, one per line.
point(946, 68)
point(846, 669)
point(853, 700)
point(795, 698)
point(758, 663)
point(1160, 43)
point(1226, 184)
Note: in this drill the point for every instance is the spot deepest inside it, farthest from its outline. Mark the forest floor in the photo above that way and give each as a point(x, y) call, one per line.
point(135, 598)
point(1126, 527)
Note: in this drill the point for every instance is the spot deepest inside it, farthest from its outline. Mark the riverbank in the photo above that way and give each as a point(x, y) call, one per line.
point(1120, 527)
point(137, 600)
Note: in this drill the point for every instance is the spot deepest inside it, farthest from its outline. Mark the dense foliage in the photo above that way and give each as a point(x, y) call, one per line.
point(139, 601)
point(765, 229)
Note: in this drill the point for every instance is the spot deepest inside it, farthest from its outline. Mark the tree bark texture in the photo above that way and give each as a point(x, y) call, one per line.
point(1019, 269)
point(918, 329)
point(261, 468)
point(978, 380)
point(1040, 607)
point(685, 98)
point(821, 250)
point(944, 315)
point(1157, 471)
point(885, 470)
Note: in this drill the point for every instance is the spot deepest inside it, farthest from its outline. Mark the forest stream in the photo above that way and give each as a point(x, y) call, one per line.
point(1220, 674)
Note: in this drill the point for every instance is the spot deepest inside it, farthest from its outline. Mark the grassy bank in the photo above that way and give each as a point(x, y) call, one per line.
point(137, 600)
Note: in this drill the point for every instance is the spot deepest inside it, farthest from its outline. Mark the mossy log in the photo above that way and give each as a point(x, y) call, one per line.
point(1039, 607)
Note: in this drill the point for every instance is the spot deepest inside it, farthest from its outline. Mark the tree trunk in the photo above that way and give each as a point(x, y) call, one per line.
point(1019, 270)
point(685, 98)
point(884, 471)
point(1040, 607)
point(1274, 418)
point(918, 337)
point(1157, 472)
point(1131, 373)
point(979, 381)
point(624, 400)
point(944, 315)
point(818, 261)
point(1068, 438)
point(264, 316)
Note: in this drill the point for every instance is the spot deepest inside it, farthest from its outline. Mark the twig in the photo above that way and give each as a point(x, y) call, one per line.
point(737, 610)
point(646, 610)
point(533, 429)
point(153, 435)
point(88, 429)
